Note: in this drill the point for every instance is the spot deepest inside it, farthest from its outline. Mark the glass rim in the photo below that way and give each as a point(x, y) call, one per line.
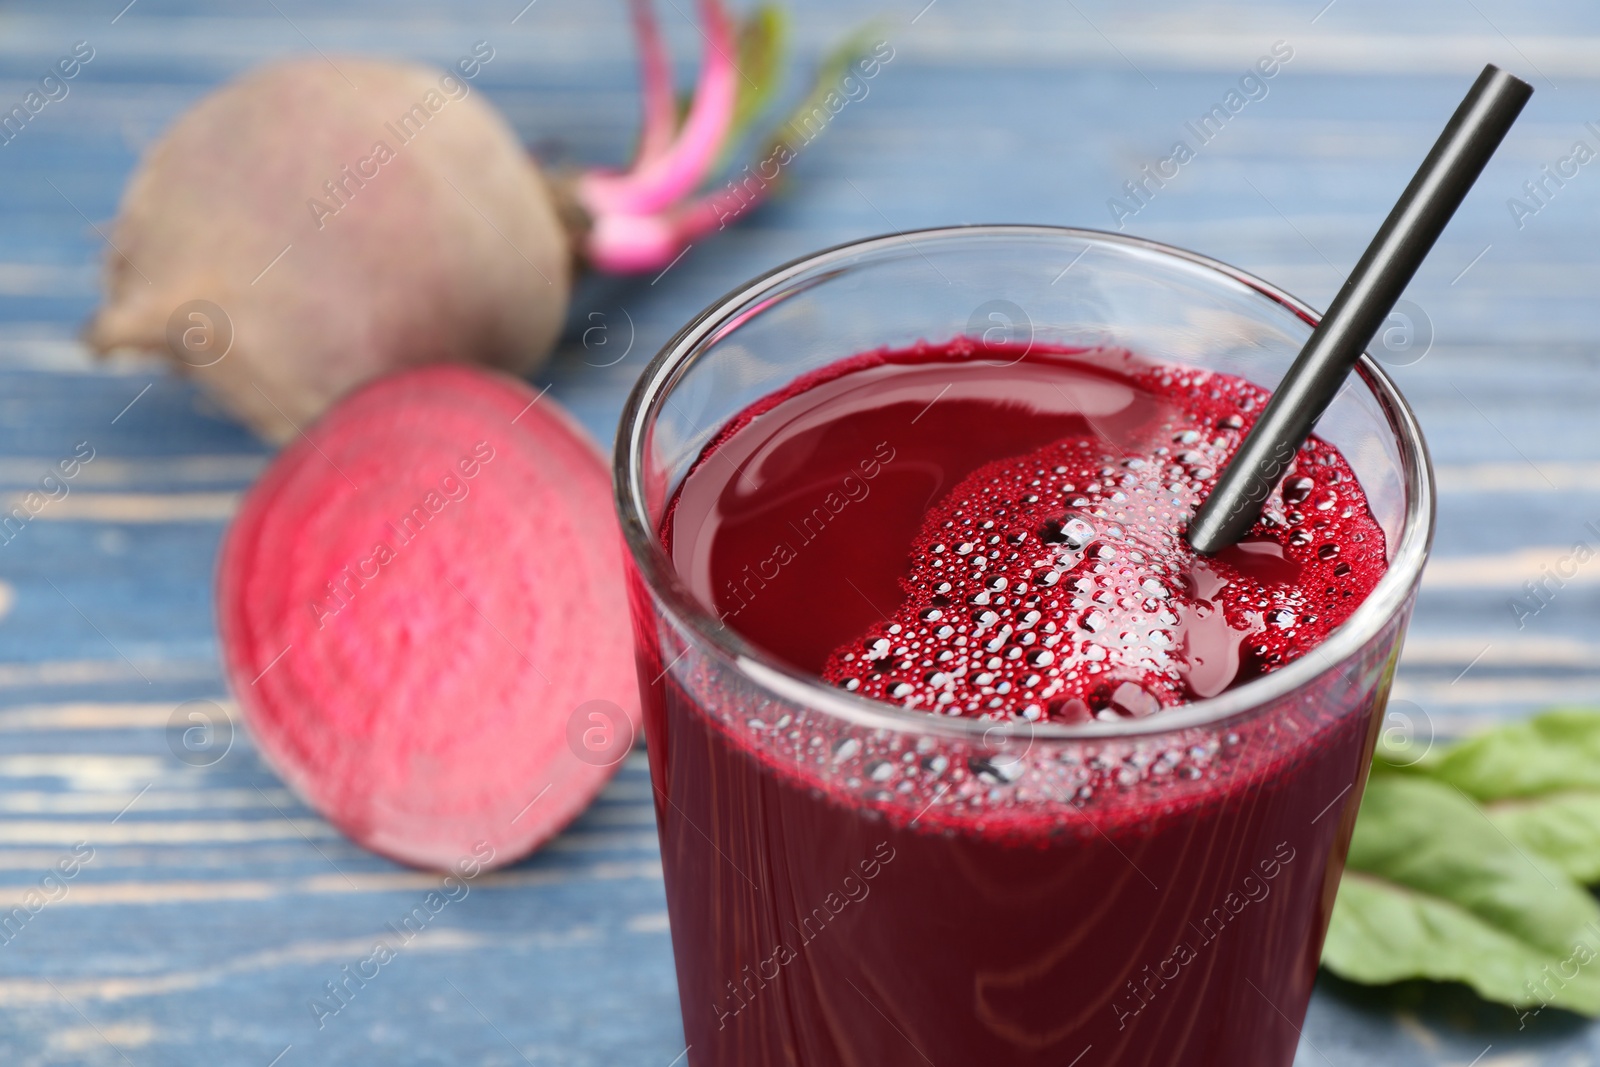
point(648, 553)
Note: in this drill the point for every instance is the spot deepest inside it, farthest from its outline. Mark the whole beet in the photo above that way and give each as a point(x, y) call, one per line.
point(317, 223)
point(322, 221)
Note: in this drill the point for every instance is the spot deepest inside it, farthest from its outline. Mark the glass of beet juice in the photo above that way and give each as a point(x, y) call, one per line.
point(960, 755)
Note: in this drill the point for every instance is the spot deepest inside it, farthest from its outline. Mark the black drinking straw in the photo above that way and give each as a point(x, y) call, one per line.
point(1368, 295)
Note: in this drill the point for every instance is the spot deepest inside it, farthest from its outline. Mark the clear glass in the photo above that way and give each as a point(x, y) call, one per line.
point(853, 883)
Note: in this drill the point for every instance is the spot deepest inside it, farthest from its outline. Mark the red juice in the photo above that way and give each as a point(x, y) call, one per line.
point(1001, 540)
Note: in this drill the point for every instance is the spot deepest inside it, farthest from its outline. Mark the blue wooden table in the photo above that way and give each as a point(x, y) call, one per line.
point(216, 907)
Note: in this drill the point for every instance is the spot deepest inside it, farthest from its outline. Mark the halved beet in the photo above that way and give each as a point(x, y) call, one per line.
point(423, 616)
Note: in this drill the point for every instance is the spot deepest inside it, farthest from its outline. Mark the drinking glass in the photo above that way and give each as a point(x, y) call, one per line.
point(851, 883)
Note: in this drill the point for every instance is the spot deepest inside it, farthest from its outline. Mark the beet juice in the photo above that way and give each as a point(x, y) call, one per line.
point(992, 539)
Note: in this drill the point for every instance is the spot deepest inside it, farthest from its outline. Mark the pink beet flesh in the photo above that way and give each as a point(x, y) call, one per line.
point(414, 602)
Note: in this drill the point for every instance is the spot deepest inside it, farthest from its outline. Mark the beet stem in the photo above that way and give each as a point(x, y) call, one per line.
point(655, 79)
point(646, 218)
point(657, 184)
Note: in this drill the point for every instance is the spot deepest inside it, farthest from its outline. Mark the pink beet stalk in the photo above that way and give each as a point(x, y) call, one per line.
point(653, 185)
point(715, 210)
point(644, 218)
point(630, 244)
point(655, 79)
point(638, 219)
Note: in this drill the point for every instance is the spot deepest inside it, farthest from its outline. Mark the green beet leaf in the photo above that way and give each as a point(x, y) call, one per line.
point(1434, 889)
point(1539, 781)
point(1564, 828)
point(1555, 751)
